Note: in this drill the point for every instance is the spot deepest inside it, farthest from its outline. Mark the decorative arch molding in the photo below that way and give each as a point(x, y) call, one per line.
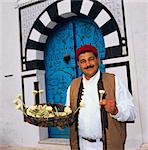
point(55, 14)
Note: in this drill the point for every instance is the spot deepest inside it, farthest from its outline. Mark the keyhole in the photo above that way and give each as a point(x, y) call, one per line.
point(67, 58)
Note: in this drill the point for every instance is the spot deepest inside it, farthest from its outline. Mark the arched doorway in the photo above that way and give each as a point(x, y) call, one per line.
point(62, 42)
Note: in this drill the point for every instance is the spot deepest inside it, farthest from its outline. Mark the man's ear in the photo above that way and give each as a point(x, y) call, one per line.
point(78, 63)
point(98, 60)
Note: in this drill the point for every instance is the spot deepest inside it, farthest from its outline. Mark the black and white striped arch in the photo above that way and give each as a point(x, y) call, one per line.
point(57, 13)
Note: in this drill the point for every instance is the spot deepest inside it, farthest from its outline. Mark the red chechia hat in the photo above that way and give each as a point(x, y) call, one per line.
point(86, 48)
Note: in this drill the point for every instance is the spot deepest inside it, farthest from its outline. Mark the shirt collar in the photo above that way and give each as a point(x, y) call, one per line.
point(95, 77)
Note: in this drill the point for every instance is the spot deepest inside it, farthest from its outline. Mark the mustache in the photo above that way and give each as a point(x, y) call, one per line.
point(91, 66)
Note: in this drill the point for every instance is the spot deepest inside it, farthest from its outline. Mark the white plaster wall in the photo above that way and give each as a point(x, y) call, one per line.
point(136, 13)
point(13, 130)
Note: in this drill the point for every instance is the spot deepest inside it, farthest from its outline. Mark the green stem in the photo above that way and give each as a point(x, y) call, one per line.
point(57, 113)
point(77, 110)
point(24, 113)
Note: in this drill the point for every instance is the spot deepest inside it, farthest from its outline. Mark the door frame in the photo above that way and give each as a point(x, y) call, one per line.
point(32, 57)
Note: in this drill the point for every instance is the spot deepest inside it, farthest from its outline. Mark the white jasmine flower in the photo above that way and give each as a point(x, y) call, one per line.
point(62, 114)
point(67, 110)
point(49, 108)
point(38, 116)
point(82, 103)
point(44, 106)
point(18, 107)
point(51, 115)
point(101, 92)
point(19, 96)
point(15, 102)
point(39, 107)
point(32, 115)
point(41, 91)
point(28, 111)
point(34, 92)
point(33, 107)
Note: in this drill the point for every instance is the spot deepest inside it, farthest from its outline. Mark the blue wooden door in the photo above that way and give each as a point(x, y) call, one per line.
point(60, 62)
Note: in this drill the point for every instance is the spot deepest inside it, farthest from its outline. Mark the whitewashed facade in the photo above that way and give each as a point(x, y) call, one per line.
point(13, 130)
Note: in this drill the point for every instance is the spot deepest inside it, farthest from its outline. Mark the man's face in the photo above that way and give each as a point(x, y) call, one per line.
point(88, 64)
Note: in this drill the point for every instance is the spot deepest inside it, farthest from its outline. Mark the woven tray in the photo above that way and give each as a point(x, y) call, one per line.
point(56, 121)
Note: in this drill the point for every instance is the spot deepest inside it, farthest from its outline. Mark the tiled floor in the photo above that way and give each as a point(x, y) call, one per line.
point(19, 148)
point(49, 147)
point(144, 147)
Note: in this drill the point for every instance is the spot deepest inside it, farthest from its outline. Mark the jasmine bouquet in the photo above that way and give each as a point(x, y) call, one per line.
point(47, 115)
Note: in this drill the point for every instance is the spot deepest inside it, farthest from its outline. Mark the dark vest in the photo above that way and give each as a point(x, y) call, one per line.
point(116, 131)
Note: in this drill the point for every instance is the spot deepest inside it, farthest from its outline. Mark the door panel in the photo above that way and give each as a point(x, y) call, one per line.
point(65, 39)
point(59, 73)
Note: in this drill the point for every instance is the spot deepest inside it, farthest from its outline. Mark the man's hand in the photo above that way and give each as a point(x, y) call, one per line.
point(110, 106)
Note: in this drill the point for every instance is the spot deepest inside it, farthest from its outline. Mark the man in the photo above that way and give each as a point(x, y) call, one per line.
point(100, 124)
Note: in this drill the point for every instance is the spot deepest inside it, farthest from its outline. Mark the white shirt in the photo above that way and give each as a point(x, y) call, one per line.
point(89, 120)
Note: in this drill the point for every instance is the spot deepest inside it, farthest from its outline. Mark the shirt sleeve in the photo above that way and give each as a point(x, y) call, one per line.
point(124, 102)
point(68, 97)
